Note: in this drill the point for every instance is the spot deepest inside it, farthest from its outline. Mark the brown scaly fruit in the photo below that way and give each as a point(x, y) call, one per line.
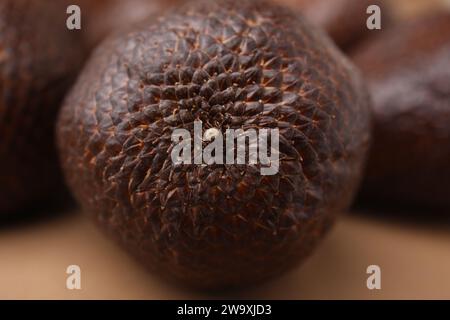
point(39, 58)
point(343, 20)
point(408, 68)
point(232, 64)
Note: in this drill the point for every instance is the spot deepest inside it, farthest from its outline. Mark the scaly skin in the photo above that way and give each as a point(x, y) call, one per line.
point(232, 64)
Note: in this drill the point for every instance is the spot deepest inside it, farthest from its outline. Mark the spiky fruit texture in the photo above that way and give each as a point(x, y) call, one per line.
point(232, 64)
point(39, 58)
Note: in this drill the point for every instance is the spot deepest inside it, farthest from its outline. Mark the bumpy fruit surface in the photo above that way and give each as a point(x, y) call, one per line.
point(408, 68)
point(39, 59)
point(231, 64)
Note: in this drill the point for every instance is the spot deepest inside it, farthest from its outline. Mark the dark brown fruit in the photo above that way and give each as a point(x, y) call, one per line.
point(39, 58)
point(232, 64)
point(103, 17)
point(408, 68)
point(344, 20)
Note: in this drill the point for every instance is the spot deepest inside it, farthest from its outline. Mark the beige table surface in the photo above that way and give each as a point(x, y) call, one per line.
point(414, 260)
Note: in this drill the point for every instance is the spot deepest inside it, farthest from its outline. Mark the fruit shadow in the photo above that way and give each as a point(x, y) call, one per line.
point(405, 215)
point(38, 213)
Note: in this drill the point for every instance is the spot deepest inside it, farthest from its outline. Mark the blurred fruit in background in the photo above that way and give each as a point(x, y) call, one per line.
point(408, 69)
point(407, 9)
point(39, 59)
point(102, 17)
point(343, 20)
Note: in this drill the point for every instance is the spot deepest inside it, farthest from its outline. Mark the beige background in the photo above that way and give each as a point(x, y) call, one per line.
point(414, 258)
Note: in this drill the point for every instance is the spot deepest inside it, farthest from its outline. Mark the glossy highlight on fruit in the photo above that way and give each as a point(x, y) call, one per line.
point(408, 68)
point(231, 64)
point(39, 59)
